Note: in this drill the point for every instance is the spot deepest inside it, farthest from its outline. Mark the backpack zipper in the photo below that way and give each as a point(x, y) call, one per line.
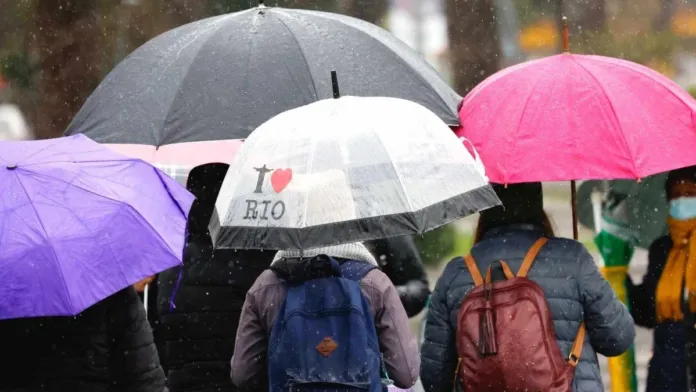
point(384, 369)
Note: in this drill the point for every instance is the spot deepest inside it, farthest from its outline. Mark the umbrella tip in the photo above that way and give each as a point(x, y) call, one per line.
point(334, 85)
point(566, 39)
point(11, 167)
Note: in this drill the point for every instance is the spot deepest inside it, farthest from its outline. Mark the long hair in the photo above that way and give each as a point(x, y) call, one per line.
point(545, 223)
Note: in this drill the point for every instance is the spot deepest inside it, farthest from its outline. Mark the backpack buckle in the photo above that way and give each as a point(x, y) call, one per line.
point(573, 360)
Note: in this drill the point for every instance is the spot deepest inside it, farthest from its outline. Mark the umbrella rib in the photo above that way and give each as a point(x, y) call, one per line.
point(398, 176)
point(519, 123)
point(58, 140)
point(133, 160)
point(214, 29)
point(123, 204)
point(304, 57)
point(48, 238)
point(420, 77)
point(600, 59)
point(613, 111)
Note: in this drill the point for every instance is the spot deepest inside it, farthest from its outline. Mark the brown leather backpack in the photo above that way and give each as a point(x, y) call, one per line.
point(505, 335)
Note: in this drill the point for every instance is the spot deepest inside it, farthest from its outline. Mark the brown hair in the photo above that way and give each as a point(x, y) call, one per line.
point(546, 223)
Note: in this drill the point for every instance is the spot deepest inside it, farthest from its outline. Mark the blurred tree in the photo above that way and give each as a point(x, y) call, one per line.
point(586, 20)
point(183, 11)
point(436, 245)
point(67, 38)
point(473, 41)
point(219, 7)
point(592, 19)
point(373, 11)
point(664, 17)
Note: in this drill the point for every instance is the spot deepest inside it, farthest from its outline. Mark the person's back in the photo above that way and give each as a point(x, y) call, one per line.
point(197, 334)
point(573, 287)
point(107, 348)
point(199, 305)
point(267, 297)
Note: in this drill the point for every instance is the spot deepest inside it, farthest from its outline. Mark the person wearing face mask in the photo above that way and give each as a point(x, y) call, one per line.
point(666, 299)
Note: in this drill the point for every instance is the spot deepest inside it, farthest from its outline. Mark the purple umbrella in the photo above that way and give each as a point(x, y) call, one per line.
point(79, 222)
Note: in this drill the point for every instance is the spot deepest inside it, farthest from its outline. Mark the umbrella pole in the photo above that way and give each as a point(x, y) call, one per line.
point(146, 291)
point(574, 202)
point(334, 85)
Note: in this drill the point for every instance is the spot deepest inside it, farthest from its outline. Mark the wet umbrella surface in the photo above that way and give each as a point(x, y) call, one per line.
point(345, 170)
point(221, 77)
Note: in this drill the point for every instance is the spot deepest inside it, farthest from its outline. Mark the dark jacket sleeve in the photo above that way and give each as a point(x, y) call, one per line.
point(134, 366)
point(400, 260)
point(438, 351)
point(642, 296)
point(610, 326)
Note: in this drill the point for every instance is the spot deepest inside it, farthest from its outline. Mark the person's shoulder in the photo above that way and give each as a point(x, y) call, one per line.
point(267, 279)
point(565, 246)
point(456, 264)
point(377, 279)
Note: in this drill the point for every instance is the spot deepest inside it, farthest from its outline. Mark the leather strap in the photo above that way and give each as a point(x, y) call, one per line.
point(576, 350)
point(531, 255)
point(506, 270)
point(473, 270)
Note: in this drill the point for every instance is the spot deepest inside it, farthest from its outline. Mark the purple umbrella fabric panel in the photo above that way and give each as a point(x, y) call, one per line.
point(79, 222)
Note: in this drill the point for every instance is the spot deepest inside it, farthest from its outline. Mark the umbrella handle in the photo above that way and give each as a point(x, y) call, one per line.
point(146, 292)
point(477, 159)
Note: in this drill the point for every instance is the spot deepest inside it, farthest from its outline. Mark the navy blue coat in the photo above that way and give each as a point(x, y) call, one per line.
point(574, 289)
point(667, 370)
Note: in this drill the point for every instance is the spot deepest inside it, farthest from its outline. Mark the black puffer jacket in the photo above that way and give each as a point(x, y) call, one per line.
point(196, 337)
point(399, 259)
point(198, 334)
point(107, 348)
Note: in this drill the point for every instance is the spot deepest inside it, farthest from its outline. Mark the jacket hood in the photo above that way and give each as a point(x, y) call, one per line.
point(204, 182)
point(295, 266)
point(353, 251)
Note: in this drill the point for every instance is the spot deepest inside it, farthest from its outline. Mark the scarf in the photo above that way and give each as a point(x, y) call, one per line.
point(679, 273)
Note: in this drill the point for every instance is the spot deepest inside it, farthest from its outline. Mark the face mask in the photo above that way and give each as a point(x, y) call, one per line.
point(683, 208)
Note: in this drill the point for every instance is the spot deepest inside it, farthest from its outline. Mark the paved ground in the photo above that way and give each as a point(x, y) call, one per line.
point(557, 204)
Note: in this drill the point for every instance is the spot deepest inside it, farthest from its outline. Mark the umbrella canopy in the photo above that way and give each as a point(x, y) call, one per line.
point(643, 206)
point(219, 78)
point(572, 117)
point(79, 222)
point(345, 170)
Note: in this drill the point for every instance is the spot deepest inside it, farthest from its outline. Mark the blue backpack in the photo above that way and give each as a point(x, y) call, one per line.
point(324, 338)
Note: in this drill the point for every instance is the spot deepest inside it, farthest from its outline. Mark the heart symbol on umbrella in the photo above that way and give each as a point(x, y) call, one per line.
point(280, 179)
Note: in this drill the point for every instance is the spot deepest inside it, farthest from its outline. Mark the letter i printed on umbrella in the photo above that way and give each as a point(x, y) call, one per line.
point(344, 170)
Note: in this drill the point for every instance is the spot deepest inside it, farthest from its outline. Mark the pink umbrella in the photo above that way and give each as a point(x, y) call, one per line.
point(571, 117)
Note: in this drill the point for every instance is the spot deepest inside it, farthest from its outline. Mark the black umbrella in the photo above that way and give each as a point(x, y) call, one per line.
point(221, 77)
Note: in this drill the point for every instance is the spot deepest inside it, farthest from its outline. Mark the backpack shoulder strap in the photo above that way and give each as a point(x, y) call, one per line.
point(576, 350)
point(473, 270)
point(531, 255)
point(355, 270)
